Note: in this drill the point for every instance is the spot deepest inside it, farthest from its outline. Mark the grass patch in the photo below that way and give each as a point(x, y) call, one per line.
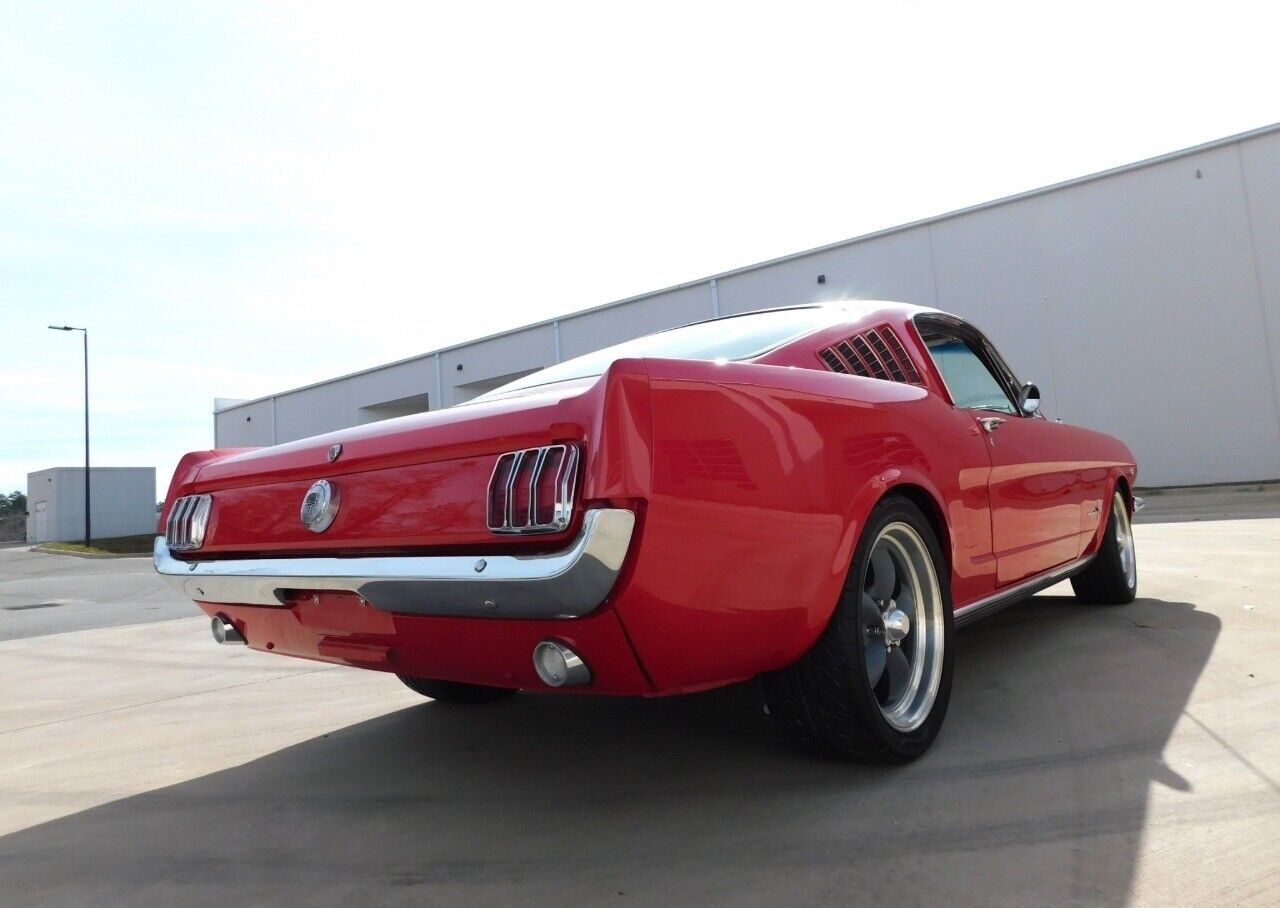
point(120, 545)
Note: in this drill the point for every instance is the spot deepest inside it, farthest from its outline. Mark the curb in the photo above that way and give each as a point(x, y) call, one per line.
point(103, 556)
point(1265, 485)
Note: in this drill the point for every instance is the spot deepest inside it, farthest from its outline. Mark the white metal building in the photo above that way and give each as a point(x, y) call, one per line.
point(123, 503)
point(1144, 300)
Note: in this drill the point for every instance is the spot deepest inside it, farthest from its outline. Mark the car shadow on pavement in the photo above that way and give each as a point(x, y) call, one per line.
point(1035, 793)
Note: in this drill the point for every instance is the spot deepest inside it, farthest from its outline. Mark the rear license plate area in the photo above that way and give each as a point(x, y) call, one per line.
point(328, 612)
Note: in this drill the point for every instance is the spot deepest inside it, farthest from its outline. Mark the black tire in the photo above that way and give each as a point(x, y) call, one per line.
point(1105, 581)
point(455, 691)
point(826, 700)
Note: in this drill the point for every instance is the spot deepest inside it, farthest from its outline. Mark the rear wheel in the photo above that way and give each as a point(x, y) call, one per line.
point(455, 691)
point(875, 685)
point(1112, 577)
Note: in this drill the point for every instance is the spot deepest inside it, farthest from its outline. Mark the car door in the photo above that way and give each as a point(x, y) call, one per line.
point(1035, 490)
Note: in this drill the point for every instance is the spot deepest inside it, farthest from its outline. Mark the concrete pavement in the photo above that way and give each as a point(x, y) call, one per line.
point(1091, 755)
point(41, 593)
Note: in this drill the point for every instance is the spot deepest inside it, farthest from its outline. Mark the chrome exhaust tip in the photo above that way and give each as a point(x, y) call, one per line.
point(559, 666)
point(225, 632)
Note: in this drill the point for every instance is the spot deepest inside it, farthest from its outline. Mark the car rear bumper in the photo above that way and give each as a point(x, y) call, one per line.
point(570, 583)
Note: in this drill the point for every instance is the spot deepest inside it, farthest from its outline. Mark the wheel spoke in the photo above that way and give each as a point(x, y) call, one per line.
point(873, 648)
point(870, 612)
point(899, 672)
point(907, 602)
point(876, 656)
point(883, 575)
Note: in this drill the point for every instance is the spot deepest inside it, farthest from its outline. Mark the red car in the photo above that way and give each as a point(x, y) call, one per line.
point(814, 496)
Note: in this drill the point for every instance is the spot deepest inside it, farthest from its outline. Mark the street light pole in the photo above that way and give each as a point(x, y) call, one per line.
point(88, 534)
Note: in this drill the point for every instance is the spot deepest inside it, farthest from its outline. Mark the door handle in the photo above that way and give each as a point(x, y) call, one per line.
point(991, 423)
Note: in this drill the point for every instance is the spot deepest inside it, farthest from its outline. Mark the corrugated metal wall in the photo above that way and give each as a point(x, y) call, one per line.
point(1145, 302)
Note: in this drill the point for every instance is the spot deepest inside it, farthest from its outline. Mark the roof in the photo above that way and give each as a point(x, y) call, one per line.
point(745, 269)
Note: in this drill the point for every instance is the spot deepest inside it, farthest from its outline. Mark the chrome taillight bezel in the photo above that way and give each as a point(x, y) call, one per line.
point(508, 467)
point(188, 522)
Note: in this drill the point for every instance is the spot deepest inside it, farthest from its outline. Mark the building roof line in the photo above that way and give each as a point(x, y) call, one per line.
point(81, 469)
point(793, 256)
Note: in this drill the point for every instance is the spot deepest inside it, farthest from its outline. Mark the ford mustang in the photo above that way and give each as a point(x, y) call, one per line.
point(815, 497)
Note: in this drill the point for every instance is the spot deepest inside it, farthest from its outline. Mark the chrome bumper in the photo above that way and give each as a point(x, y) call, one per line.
point(565, 584)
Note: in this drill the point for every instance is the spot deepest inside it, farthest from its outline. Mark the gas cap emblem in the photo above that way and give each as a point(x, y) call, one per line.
point(320, 506)
point(335, 451)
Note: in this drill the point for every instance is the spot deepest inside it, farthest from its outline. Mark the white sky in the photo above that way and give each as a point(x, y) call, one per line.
point(238, 198)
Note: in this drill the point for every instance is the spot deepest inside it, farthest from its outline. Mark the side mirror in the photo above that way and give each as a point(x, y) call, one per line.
point(1028, 399)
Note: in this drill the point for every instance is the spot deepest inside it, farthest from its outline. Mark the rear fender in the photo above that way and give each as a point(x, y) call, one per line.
point(905, 481)
point(757, 492)
point(184, 476)
point(620, 450)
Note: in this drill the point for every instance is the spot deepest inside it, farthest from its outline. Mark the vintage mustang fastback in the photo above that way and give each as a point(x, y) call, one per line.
point(813, 496)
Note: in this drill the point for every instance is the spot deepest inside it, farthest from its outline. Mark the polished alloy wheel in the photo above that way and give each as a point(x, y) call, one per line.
point(1124, 540)
point(874, 686)
point(901, 621)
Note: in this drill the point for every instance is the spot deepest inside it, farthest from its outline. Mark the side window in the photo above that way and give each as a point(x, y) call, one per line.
point(971, 383)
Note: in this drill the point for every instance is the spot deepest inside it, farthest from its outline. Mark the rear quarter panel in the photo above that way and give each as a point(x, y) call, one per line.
point(761, 478)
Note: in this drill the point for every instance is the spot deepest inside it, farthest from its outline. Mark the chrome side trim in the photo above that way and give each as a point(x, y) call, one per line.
point(989, 606)
point(565, 584)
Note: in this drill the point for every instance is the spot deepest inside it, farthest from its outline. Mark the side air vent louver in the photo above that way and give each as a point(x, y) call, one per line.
point(532, 491)
point(188, 519)
point(875, 353)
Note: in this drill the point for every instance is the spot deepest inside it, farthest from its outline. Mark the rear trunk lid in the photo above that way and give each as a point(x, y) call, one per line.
point(413, 484)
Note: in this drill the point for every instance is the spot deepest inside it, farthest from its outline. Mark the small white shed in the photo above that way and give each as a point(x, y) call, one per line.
point(123, 503)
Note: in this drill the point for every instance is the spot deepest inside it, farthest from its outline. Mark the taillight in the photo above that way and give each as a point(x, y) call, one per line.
point(521, 499)
point(532, 491)
point(546, 491)
point(188, 520)
point(497, 510)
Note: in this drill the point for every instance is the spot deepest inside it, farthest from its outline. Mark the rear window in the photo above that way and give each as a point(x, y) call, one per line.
point(738, 337)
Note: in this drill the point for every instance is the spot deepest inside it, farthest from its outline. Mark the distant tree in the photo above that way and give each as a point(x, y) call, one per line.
point(13, 504)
